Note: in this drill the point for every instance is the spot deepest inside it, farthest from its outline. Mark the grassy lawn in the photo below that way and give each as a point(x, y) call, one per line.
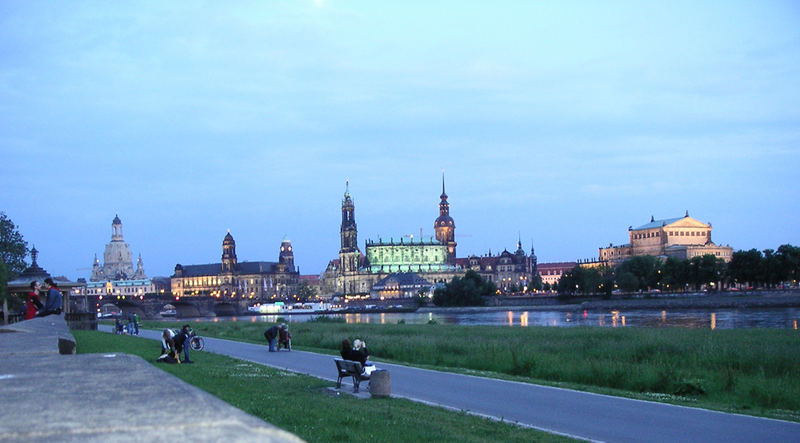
point(752, 371)
point(302, 405)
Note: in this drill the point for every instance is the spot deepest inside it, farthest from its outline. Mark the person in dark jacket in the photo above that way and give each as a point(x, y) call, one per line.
point(181, 341)
point(270, 334)
point(54, 302)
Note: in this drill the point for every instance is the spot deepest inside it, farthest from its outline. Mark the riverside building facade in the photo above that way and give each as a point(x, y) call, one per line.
point(232, 279)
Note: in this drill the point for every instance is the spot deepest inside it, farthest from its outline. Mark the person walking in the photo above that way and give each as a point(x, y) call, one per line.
point(270, 334)
point(33, 304)
point(136, 323)
point(54, 301)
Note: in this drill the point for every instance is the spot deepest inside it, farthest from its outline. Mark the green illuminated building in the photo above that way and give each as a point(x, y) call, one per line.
point(422, 256)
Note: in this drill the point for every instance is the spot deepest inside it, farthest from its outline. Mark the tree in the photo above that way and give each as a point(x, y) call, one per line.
point(627, 281)
point(746, 267)
point(13, 248)
point(305, 292)
point(646, 270)
point(704, 270)
point(536, 283)
point(582, 280)
point(674, 274)
point(771, 268)
point(789, 263)
point(464, 291)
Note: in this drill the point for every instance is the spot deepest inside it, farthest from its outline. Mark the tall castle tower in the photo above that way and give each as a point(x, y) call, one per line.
point(229, 263)
point(349, 253)
point(286, 257)
point(445, 227)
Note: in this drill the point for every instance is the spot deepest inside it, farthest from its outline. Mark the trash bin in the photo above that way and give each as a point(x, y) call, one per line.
point(380, 385)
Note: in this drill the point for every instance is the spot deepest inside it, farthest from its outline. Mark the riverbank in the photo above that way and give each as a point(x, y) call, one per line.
point(726, 300)
point(751, 371)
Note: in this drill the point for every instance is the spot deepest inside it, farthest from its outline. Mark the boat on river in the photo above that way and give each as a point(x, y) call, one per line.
point(296, 308)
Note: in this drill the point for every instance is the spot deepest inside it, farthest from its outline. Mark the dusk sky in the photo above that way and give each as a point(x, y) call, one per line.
point(559, 122)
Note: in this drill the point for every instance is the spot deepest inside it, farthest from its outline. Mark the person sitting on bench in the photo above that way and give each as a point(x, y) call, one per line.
point(348, 353)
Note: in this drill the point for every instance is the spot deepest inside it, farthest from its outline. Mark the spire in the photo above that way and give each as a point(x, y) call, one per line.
point(444, 194)
point(34, 254)
point(346, 187)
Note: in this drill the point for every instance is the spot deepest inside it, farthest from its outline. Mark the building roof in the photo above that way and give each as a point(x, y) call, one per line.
point(312, 279)
point(247, 267)
point(658, 223)
point(556, 265)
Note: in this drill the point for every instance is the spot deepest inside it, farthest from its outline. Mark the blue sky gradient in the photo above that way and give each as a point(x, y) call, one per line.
point(560, 122)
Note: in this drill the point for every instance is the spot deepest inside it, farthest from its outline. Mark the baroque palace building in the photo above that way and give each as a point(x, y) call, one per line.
point(236, 280)
point(417, 263)
point(682, 237)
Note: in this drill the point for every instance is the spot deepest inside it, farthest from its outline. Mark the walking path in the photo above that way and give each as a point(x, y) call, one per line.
point(561, 411)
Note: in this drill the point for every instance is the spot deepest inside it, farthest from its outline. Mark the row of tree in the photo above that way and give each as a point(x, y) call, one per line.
point(13, 250)
point(751, 268)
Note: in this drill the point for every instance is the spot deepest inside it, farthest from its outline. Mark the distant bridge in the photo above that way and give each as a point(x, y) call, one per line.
point(150, 305)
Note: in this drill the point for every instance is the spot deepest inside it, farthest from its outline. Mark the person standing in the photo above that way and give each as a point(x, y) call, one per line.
point(33, 304)
point(270, 334)
point(54, 302)
point(131, 323)
point(136, 323)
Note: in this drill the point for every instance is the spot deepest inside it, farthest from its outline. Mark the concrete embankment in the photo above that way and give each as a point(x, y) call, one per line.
point(51, 394)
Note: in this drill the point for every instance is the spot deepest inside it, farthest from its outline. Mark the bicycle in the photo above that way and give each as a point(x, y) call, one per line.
point(196, 342)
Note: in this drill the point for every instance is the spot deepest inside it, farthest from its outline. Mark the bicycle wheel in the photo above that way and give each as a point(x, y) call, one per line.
point(197, 343)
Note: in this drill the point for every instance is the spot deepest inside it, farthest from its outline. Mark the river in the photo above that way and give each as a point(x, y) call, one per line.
point(769, 318)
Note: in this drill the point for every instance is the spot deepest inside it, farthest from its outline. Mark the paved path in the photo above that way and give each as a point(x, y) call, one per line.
point(562, 411)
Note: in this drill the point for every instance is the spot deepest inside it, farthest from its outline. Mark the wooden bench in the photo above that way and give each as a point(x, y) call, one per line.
point(348, 368)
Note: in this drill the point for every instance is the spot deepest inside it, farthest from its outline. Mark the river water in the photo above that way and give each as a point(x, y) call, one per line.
point(770, 318)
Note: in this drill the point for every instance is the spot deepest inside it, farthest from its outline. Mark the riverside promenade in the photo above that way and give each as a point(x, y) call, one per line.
point(561, 411)
point(50, 394)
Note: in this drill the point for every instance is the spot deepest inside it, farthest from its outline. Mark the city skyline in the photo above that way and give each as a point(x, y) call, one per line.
point(556, 124)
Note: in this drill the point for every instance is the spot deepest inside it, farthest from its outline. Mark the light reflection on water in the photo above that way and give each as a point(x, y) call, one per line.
point(771, 318)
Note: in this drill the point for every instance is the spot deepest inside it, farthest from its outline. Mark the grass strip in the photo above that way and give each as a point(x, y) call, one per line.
point(751, 371)
point(306, 407)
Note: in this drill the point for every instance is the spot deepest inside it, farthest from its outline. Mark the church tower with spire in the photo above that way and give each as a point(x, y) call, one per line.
point(349, 254)
point(445, 227)
point(139, 274)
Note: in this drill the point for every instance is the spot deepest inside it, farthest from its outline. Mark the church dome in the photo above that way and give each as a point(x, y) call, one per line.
point(116, 220)
point(443, 221)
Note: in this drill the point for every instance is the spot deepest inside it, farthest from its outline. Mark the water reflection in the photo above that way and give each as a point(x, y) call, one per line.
point(772, 318)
